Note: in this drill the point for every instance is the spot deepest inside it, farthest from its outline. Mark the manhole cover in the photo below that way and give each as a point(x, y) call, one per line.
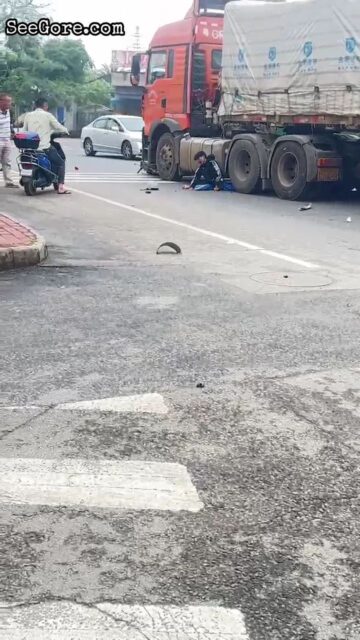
point(301, 279)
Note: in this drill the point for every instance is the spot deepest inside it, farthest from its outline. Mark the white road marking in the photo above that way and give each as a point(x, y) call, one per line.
point(145, 403)
point(112, 173)
point(103, 181)
point(105, 484)
point(205, 232)
point(109, 177)
point(67, 621)
point(142, 403)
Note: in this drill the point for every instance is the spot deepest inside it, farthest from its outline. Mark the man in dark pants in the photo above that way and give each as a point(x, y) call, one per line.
point(42, 122)
point(208, 176)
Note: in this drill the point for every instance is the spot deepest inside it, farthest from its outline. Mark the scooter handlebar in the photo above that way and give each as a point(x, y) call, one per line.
point(58, 134)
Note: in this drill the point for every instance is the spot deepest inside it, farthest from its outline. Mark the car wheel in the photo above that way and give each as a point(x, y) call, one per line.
point(127, 150)
point(88, 147)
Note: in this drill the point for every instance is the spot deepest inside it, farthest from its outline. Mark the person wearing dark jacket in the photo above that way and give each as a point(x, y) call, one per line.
point(208, 176)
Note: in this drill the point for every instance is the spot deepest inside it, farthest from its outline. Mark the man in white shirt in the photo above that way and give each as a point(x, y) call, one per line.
point(5, 139)
point(42, 122)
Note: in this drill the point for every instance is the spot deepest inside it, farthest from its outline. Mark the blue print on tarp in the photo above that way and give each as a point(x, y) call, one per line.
point(308, 49)
point(351, 45)
point(272, 54)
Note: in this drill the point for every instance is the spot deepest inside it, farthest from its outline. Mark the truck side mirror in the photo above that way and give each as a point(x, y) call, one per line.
point(135, 70)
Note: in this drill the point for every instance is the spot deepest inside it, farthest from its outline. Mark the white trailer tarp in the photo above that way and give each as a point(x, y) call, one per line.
point(300, 57)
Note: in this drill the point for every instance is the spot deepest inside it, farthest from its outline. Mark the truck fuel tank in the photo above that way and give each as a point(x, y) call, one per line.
point(212, 146)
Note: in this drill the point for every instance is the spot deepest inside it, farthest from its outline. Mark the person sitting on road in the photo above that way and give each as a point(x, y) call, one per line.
point(208, 176)
point(42, 122)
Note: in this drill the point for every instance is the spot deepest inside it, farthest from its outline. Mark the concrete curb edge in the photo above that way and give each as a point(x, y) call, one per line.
point(23, 256)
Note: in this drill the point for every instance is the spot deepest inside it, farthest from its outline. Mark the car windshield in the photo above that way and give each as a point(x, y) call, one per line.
point(132, 124)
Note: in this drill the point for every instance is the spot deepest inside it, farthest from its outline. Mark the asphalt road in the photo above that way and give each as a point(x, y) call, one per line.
point(225, 504)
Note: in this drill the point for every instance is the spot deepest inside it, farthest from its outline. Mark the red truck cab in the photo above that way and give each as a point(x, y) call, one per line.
point(184, 65)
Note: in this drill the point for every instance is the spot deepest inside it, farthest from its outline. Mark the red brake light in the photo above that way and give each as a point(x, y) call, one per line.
point(329, 162)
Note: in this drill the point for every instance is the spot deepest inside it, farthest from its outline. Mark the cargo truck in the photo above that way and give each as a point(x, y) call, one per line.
point(270, 88)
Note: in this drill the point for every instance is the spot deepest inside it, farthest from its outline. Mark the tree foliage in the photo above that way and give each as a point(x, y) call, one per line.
point(27, 10)
point(58, 68)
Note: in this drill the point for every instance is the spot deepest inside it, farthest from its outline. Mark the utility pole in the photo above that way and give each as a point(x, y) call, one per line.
point(137, 39)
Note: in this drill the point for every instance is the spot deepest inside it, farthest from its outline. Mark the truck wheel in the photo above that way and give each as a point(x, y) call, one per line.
point(244, 167)
point(289, 171)
point(165, 158)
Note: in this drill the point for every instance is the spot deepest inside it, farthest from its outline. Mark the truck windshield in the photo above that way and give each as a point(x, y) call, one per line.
point(216, 59)
point(213, 7)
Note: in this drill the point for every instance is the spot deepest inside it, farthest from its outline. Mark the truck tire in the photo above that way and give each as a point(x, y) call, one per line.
point(289, 172)
point(245, 167)
point(166, 158)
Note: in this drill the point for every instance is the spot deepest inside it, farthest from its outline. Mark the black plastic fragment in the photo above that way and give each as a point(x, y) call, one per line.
point(171, 245)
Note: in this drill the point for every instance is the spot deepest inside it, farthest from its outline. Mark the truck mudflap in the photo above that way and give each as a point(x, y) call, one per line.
point(297, 163)
point(323, 161)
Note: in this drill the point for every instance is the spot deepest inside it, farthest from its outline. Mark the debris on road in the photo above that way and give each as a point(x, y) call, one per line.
point(170, 245)
point(150, 189)
point(306, 207)
point(200, 385)
point(349, 219)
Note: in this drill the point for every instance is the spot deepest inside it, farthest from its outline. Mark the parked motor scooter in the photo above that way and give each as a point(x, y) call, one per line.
point(34, 165)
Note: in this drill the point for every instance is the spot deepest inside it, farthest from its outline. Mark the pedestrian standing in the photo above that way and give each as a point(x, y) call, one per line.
point(5, 139)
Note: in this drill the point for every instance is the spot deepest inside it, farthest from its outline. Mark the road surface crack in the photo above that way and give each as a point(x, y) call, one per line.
point(97, 606)
point(27, 422)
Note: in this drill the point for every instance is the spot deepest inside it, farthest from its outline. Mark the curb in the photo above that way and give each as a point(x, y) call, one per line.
point(23, 255)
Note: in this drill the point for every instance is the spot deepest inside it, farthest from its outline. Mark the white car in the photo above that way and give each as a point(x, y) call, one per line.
point(120, 135)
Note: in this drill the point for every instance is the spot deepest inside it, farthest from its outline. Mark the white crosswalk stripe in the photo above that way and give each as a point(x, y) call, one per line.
point(79, 177)
point(118, 178)
point(139, 403)
point(105, 484)
point(140, 486)
point(104, 621)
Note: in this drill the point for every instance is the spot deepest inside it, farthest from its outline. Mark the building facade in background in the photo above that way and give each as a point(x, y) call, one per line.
point(127, 99)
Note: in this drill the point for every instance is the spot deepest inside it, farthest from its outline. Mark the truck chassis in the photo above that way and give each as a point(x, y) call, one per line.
point(290, 159)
